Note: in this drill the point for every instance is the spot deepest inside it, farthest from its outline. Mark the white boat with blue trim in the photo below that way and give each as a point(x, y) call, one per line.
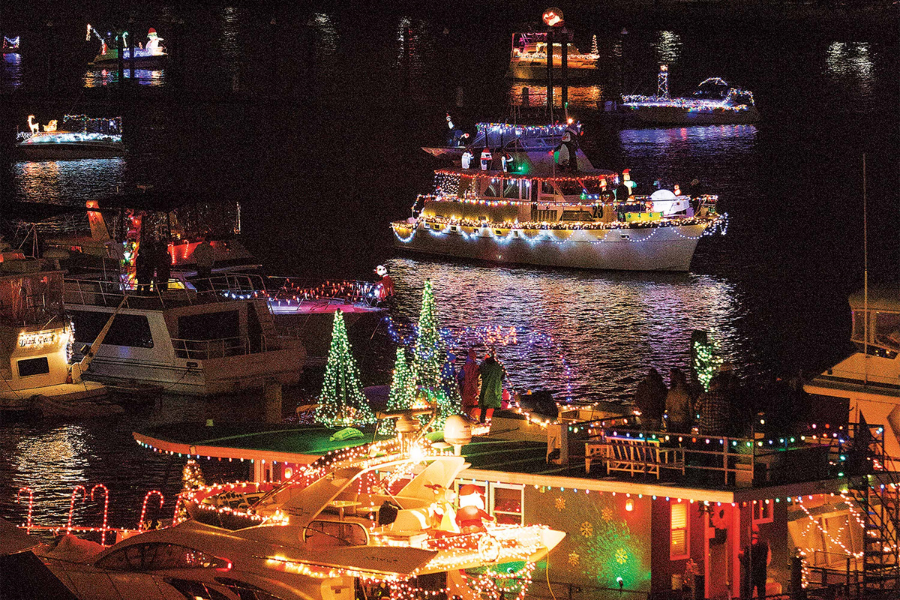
point(526, 207)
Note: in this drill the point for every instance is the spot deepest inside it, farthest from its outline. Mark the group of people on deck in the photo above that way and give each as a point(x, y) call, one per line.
point(481, 385)
point(719, 411)
point(152, 265)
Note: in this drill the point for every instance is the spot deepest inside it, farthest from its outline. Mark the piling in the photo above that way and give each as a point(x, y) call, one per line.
point(272, 393)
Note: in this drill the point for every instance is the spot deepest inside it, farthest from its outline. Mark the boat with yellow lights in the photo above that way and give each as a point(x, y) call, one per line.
point(527, 206)
point(377, 517)
point(528, 57)
point(36, 338)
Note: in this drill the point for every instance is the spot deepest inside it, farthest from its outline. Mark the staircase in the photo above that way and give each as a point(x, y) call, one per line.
point(877, 492)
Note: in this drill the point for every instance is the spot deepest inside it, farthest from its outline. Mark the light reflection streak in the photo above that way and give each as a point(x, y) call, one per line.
point(588, 336)
point(668, 47)
point(852, 63)
point(580, 96)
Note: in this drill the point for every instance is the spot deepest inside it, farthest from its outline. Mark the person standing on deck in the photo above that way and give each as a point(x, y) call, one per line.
point(163, 264)
point(143, 266)
point(204, 258)
point(650, 399)
point(469, 385)
point(678, 403)
point(492, 376)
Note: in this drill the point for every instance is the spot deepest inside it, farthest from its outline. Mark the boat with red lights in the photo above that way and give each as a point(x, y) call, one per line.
point(715, 102)
point(148, 54)
point(528, 206)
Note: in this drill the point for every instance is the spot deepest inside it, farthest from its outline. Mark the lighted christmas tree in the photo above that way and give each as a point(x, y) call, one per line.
point(704, 359)
point(342, 403)
point(594, 49)
point(403, 390)
point(433, 374)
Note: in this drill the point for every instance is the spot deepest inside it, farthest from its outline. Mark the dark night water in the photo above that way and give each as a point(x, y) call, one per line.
point(314, 124)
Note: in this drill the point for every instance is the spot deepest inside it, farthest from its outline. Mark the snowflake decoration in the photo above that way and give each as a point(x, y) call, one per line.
point(587, 530)
point(574, 559)
point(621, 556)
point(560, 503)
point(607, 514)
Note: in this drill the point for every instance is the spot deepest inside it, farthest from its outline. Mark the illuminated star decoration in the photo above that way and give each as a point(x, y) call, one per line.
point(574, 559)
point(560, 503)
point(342, 403)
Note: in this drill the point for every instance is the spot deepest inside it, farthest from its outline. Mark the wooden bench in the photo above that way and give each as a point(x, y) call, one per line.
point(633, 455)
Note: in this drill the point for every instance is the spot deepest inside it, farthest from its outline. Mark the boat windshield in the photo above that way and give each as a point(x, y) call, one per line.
point(581, 187)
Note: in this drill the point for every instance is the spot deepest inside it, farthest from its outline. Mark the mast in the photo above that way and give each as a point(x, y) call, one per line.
point(865, 280)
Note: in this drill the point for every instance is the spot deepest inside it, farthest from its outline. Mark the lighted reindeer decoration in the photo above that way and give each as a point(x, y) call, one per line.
point(35, 127)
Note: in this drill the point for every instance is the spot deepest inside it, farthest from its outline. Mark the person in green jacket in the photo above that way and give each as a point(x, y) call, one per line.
point(492, 376)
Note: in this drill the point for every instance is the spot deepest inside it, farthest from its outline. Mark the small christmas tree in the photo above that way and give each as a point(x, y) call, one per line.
point(704, 358)
point(342, 403)
point(430, 361)
point(594, 49)
point(403, 390)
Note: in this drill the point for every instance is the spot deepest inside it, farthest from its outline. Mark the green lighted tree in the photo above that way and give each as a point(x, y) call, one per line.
point(342, 403)
point(704, 358)
point(403, 390)
point(433, 372)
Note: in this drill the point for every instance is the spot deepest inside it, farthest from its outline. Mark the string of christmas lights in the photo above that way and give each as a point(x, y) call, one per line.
point(342, 402)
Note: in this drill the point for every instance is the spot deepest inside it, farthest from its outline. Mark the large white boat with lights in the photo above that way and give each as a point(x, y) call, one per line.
point(536, 212)
point(79, 137)
point(528, 57)
point(36, 337)
point(714, 102)
point(533, 138)
point(379, 519)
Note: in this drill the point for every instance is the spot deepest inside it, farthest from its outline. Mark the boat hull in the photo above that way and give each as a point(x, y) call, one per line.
point(69, 151)
point(674, 115)
point(637, 249)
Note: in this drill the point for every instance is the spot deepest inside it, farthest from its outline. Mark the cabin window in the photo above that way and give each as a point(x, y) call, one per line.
point(762, 512)
point(678, 548)
point(511, 190)
point(506, 503)
point(335, 533)
point(887, 330)
point(159, 556)
point(33, 366)
point(210, 326)
point(493, 190)
point(126, 330)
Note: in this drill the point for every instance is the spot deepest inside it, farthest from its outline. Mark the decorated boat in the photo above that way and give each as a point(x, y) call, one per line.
point(536, 207)
point(528, 57)
point(11, 45)
point(498, 135)
point(150, 53)
point(375, 518)
point(36, 338)
point(714, 102)
point(79, 137)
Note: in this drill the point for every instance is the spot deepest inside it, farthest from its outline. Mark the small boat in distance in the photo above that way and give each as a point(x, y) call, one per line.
point(714, 102)
point(528, 57)
point(11, 45)
point(80, 137)
point(153, 52)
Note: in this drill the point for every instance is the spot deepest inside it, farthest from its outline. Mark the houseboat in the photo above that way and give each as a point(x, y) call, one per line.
point(80, 137)
point(528, 57)
point(36, 337)
point(655, 514)
point(869, 379)
point(526, 206)
point(181, 340)
point(148, 54)
point(714, 102)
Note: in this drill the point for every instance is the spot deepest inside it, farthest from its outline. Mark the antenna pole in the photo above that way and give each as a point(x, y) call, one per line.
point(865, 279)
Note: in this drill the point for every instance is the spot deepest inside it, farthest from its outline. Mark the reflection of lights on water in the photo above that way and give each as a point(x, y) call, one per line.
point(52, 463)
point(412, 44)
point(327, 35)
point(580, 334)
point(668, 46)
point(12, 70)
point(707, 139)
point(68, 181)
point(852, 61)
point(99, 77)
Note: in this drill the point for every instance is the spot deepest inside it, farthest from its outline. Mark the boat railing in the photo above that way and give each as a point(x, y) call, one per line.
point(762, 459)
point(217, 348)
